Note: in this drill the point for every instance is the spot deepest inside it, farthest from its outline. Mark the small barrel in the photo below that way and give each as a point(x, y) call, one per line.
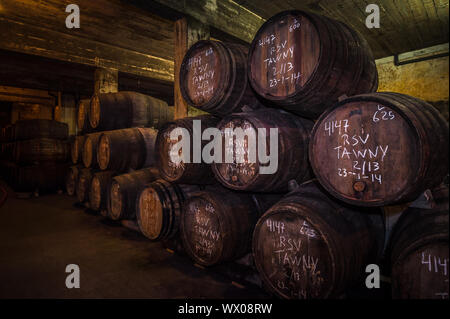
point(195, 171)
point(112, 111)
point(41, 150)
point(36, 128)
point(82, 116)
point(124, 149)
point(310, 246)
point(241, 133)
point(419, 252)
point(213, 77)
point(76, 149)
point(217, 224)
point(304, 62)
point(90, 147)
point(84, 184)
point(72, 179)
point(98, 190)
point(123, 191)
point(158, 208)
point(379, 149)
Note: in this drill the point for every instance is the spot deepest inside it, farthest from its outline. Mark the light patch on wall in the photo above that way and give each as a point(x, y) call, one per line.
point(210, 5)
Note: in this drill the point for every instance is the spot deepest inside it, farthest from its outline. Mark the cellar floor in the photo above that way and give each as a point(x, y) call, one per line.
point(40, 236)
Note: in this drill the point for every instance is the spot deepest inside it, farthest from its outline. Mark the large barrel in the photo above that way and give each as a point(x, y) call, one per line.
point(213, 77)
point(41, 150)
point(290, 162)
point(419, 252)
point(195, 171)
point(310, 246)
point(90, 147)
point(98, 190)
point(379, 149)
point(304, 62)
point(76, 149)
point(123, 149)
point(72, 179)
point(159, 206)
point(44, 178)
point(111, 111)
point(217, 224)
point(84, 184)
point(36, 128)
point(82, 116)
point(123, 191)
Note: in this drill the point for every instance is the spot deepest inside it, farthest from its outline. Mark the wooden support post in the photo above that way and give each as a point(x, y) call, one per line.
point(187, 32)
point(106, 81)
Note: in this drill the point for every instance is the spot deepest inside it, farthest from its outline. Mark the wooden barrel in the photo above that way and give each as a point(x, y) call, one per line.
point(159, 206)
point(194, 172)
point(419, 252)
point(72, 179)
point(111, 111)
point(41, 150)
point(217, 224)
point(99, 186)
point(90, 147)
point(123, 149)
point(37, 128)
point(213, 77)
point(123, 191)
point(379, 149)
point(44, 178)
point(310, 246)
point(249, 175)
point(84, 184)
point(76, 149)
point(304, 62)
point(82, 116)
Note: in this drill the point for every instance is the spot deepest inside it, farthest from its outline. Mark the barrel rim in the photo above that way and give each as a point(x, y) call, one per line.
point(217, 46)
point(256, 87)
point(283, 208)
point(103, 164)
point(94, 117)
point(205, 196)
point(377, 97)
point(215, 166)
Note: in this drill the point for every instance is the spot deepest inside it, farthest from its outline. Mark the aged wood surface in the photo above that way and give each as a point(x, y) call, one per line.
point(380, 149)
point(309, 246)
point(137, 43)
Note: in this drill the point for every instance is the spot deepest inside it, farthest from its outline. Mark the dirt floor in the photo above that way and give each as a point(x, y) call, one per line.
point(40, 236)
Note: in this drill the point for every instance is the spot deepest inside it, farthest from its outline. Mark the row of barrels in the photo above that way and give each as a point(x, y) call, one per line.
point(34, 155)
point(41, 178)
point(298, 61)
point(112, 111)
point(33, 129)
point(305, 244)
point(368, 150)
point(116, 150)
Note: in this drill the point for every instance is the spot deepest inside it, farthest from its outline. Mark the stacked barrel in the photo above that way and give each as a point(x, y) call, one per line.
point(113, 154)
point(35, 155)
point(293, 164)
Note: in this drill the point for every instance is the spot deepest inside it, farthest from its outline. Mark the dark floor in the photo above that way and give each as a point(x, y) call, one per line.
point(40, 236)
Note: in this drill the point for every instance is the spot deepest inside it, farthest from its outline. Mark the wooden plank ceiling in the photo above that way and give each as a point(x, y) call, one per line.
point(113, 34)
point(406, 25)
